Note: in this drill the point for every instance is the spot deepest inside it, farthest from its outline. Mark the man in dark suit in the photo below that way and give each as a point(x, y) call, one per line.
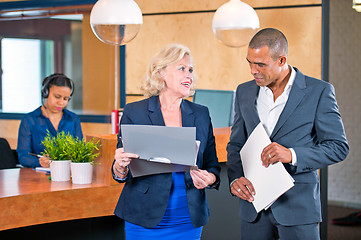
point(300, 115)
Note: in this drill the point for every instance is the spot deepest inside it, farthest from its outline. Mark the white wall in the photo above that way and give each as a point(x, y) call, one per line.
point(345, 74)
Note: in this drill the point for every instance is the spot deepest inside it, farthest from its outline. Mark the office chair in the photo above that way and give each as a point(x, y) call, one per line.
point(7, 156)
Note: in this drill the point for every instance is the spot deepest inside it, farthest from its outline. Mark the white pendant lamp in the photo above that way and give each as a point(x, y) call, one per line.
point(356, 4)
point(235, 23)
point(116, 22)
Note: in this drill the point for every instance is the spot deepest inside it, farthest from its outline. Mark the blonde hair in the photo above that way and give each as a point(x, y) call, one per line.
point(153, 82)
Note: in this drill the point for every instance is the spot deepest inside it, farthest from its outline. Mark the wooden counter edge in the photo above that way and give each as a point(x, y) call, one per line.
point(55, 206)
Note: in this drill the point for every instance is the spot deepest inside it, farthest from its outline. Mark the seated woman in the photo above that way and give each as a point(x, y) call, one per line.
point(52, 116)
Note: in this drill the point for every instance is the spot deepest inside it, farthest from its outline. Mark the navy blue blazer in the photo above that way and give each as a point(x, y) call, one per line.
point(311, 124)
point(143, 200)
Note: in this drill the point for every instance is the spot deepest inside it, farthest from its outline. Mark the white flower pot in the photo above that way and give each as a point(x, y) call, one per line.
point(60, 170)
point(81, 173)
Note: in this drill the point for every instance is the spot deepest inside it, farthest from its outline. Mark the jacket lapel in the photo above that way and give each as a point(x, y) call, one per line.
point(252, 115)
point(187, 115)
point(294, 99)
point(156, 117)
point(155, 114)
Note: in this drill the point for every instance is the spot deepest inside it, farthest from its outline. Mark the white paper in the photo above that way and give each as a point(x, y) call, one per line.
point(42, 169)
point(269, 183)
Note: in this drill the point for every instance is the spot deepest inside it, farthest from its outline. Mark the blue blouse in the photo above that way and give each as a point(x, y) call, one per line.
point(33, 129)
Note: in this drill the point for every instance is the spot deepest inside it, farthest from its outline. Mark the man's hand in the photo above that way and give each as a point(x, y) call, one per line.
point(275, 152)
point(243, 189)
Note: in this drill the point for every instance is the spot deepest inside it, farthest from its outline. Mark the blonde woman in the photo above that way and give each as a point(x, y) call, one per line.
point(168, 205)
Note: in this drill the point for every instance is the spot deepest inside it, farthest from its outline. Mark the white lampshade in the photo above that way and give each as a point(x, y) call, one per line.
point(116, 22)
point(356, 4)
point(234, 23)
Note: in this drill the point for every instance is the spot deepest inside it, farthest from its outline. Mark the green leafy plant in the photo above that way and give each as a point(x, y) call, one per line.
point(55, 146)
point(81, 151)
point(66, 147)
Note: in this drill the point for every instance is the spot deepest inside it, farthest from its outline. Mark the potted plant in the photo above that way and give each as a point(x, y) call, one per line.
point(55, 147)
point(82, 155)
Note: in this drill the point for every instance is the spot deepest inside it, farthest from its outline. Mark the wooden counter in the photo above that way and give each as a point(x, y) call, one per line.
point(222, 138)
point(28, 197)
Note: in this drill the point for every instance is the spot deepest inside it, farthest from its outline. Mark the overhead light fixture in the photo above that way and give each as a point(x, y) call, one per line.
point(235, 23)
point(356, 4)
point(116, 22)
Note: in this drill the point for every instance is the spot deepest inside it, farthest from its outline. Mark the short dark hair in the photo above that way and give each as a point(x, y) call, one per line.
point(274, 39)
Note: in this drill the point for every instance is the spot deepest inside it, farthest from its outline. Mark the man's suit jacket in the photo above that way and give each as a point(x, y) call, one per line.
point(310, 123)
point(144, 199)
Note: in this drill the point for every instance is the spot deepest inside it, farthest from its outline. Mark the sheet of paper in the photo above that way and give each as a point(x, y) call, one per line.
point(161, 149)
point(42, 169)
point(269, 183)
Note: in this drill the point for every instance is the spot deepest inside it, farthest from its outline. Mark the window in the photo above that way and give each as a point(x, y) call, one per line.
point(20, 88)
point(33, 49)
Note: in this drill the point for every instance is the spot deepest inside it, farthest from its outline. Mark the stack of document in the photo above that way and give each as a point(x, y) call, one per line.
point(160, 149)
point(269, 183)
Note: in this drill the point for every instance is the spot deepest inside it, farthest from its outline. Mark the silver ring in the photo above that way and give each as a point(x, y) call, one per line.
point(269, 155)
point(238, 190)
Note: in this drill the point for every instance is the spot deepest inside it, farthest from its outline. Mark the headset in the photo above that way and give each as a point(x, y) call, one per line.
point(48, 80)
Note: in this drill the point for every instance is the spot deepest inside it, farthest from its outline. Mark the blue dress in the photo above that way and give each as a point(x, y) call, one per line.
point(175, 224)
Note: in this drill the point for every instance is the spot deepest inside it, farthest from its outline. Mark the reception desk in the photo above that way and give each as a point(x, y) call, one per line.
point(28, 197)
point(222, 138)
